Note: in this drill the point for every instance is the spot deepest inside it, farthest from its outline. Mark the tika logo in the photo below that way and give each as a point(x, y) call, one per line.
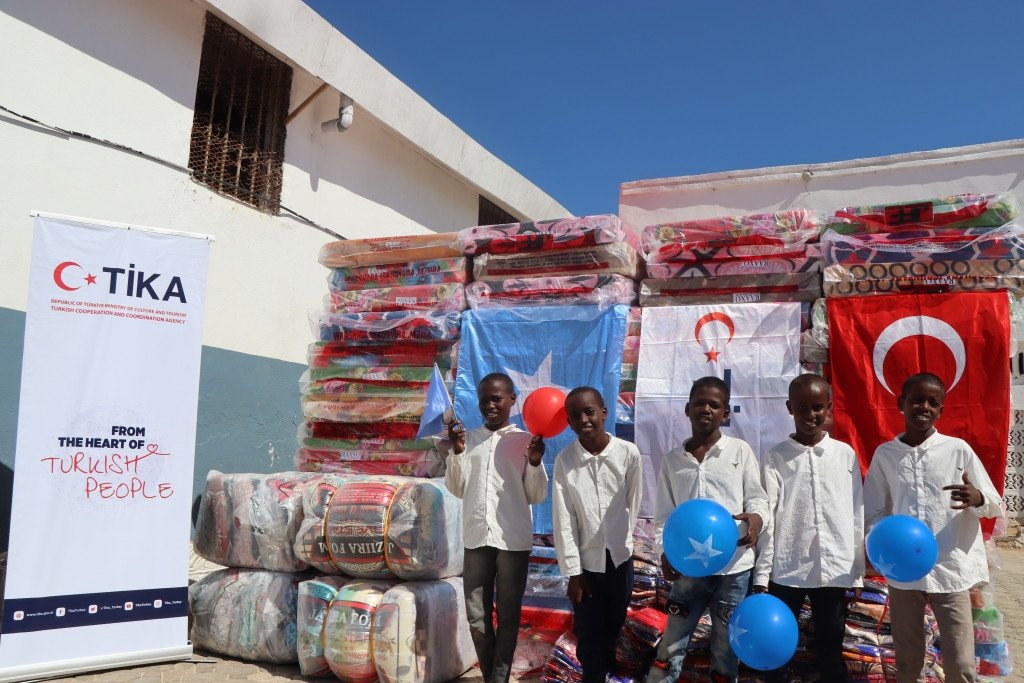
point(70, 276)
point(714, 317)
point(914, 326)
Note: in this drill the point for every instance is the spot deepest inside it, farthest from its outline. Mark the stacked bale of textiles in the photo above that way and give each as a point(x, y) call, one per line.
point(625, 415)
point(571, 261)
point(546, 615)
point(563, 666)
point(638, 644)
point(650, 589)
point(399, 537)
point(392, 311)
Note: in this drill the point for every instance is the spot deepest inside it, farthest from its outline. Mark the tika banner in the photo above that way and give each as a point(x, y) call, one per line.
point(754, 348)
point(564, 347)
point(876, 342)
point(97, 575)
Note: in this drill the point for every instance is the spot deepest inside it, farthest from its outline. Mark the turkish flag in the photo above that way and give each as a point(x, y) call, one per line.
point(876, 342)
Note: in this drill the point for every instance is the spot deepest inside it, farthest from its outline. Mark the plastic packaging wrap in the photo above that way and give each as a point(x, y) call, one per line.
point(364, 443)
point(420, 633)
point(396, 382)
point(619, 259)
point(599, 290)
point(310, 544)
point(784, 232)
point(315, 429)
point(631, 349)
point(356, 523)
point(359, 358)
point(918, 277)
point(925, 246)
point(422, 463)
point(750, 266)
point(251, 520)
point(246, 613)
point(315, 596)
point(958, 211)
point(564, 233)
point(358, 408)
point(731, 289)
point(347, 630)
point(389, 250)
point(542, 622)
point(625, 408)
point(387, 326)
point(563, 666)
point(436, 298)
point(633, 319)
point(431, 272)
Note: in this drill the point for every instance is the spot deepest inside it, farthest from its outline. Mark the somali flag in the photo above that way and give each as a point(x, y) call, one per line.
point(437, 410)
point(560, 346)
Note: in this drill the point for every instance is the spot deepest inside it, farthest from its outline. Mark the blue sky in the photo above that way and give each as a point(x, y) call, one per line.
point(582, 96)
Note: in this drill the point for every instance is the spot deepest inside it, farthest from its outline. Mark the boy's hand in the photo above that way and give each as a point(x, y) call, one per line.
point(966, 494)
point(759, 589)
point(754, 525)
point(578, 589)
point(667, 570)
point(536, 450)
point(457, 435)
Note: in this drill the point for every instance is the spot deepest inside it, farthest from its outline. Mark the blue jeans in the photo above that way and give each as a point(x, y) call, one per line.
point(686, 603)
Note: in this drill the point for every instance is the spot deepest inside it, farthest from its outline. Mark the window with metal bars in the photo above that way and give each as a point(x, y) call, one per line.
point(238, 131)
point(489, 213)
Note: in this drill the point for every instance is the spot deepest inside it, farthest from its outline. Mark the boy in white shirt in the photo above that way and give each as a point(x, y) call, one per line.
point(815, 546)
point(907, 476)
point(596, 496)
point(723, 469)
point(497, 472)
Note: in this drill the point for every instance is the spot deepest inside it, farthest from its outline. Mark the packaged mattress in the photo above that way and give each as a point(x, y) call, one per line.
point(430, 272)
point(564, 233)
point(384, 250)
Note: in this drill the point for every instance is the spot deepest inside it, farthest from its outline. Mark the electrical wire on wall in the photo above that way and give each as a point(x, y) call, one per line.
point(164, 162)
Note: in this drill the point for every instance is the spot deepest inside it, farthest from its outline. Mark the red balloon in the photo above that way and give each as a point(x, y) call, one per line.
point(544, 412)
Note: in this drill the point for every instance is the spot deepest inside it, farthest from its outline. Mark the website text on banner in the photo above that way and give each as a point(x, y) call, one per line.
point(97, 575)
point(755, 348)
point(563, 347)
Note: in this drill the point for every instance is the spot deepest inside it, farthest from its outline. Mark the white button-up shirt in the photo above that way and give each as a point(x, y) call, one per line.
point(816, 503)
point(729, 475)
point(497, 485)
point(595, 503)
point(905, 480)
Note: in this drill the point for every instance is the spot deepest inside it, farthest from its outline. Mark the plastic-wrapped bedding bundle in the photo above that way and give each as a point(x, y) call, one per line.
point(398, 382)
point(420, 633)
point(356, 524)
point(311, 541)
point(347, 637)
point(421, 463)
point(359, 443)
point(925, 246)
point(731, 289)
point(316, 429)
point(564, 233)
point(385, 326)
point(600, 290)
point(251, 520)
point(543, 620)
point(918, 277)
point(743, 266)
point(437, 298)
point(432, 272)
point(638, 642)
point(246, 613)
point(773, 234)
point(359, 408)
point(315, 596)
point(958, 211)
point(386, 250)
point(361, 358)
point(563, 666)
point(618, 259)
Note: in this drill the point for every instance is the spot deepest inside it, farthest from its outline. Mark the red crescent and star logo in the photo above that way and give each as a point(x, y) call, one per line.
point(918, 326)
point(58, 276)
point(714, 317)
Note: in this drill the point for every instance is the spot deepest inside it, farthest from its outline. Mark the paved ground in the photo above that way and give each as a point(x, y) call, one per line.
point(1010, 598)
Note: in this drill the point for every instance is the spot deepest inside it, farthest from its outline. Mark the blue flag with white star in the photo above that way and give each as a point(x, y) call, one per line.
point(438, 407)
point(559, 346)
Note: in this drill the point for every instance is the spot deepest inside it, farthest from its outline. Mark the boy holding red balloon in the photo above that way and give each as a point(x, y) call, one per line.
point(816, 545)
point(907, 477)
point(709, 465)
point(596, 496)
point(496, 470)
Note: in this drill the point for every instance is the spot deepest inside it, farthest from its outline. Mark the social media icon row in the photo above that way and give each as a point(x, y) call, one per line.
point(19, 615)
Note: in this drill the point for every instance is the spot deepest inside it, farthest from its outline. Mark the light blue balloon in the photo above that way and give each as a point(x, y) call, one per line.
point(763, 632)
point(902, 548)
point(699, 538)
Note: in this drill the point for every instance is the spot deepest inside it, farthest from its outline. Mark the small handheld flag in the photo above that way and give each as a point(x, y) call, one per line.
point(438, 409)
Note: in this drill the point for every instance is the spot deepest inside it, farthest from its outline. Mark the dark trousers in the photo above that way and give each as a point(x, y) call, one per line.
point(598, 618)
point(485, 570)
point(828, 614)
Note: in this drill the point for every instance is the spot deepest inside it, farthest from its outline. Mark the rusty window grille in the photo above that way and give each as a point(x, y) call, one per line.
point(489, 213)
point(238, 132)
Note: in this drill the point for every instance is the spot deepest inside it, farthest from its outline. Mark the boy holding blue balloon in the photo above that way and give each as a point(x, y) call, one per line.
point(908, 476)
point(707, 571)
point(816, 545)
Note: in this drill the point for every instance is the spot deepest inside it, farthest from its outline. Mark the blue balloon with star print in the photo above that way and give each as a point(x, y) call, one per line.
point(699, 538)
point(902, 548)
point(763, 632)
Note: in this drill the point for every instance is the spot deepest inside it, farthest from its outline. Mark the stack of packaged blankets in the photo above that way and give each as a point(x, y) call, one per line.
point(546, 614)
point(962, 243)
point(588, 260)
point(625, 414)
point(351, 576)
point(392, 311)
